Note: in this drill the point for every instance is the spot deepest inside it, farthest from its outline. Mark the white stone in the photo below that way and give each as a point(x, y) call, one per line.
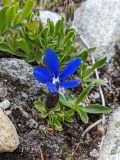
point(44, 15)
point(5, 104)
point(99, 23)
point(9, 140)
point(94, 153)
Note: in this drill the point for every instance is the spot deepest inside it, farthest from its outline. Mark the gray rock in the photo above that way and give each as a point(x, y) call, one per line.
point(111, 145)
point(44, 15)
point(5, 104)
point(9, 140)
point(15, 68)
point(18, 84)
point(3, 90)
point(32, 123)
point(99, 23)
point(18, 71)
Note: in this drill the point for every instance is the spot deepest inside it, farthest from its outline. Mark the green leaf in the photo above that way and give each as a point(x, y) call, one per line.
point(98, 64)
point(65, 101)
point(6, 2)
point(59, 27)
point(96, 108)
point(23, 45)
point(83, 115)
point(44, 33)
point(17, 9)
point(10, 16)
point(42, 42)
point(96, 81)
point(32, 26)
point(56, 108)
point(69, 36)
point(55, 121)
point(40, 106)
point(82, 69)
point(44, 114)
point(6, 48)
point(84, 54)
point(68, 116)
point(84, 93)
point(38, 56)
point(3, 19)
point(29, 5)
point(90, 50)
point(51, 27)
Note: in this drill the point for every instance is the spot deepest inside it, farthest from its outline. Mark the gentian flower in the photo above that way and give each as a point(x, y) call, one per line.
point(51, 75)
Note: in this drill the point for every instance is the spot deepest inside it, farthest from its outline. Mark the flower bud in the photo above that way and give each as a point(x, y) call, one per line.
point(52, 100)
point(69, 10)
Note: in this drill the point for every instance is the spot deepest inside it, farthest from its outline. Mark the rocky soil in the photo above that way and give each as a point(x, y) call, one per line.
point(36, 139)
point(19, 91)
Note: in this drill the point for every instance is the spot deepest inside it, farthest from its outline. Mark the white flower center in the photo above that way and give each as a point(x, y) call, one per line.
point(55, 80)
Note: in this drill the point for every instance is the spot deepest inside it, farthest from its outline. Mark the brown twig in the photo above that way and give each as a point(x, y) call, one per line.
point(91, 126)
point(41, 153)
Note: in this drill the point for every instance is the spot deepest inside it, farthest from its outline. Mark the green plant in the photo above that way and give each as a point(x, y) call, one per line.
point(62, 109)
point(56, 116)
point(86, 71)
point(66, 108)
point(78, 105)
point(12, 16)
point(26, 37)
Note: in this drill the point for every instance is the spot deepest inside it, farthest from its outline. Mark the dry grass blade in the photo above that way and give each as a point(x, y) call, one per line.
point(41, 153)
point(91, 126)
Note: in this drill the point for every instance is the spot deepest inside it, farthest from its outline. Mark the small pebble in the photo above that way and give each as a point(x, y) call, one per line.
point(5, 104)
point(32, 123)
point(96, 95)
point(8, 112)
point(94, 153)
point(24, 95)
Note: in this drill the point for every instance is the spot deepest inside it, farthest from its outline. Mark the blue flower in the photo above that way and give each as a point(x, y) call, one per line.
point(51, 75)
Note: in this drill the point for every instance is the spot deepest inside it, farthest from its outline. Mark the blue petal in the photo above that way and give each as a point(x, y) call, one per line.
point(41, 74)
point(51, 87)
point(52, 62)
point(70, 83)
point(71, 67)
